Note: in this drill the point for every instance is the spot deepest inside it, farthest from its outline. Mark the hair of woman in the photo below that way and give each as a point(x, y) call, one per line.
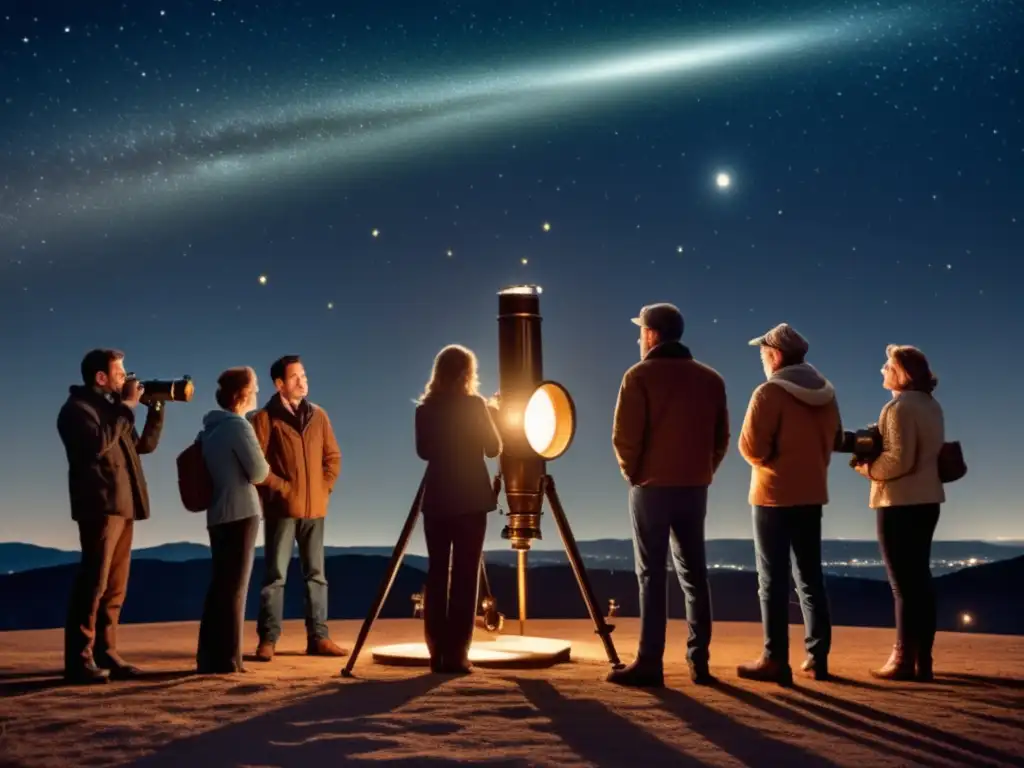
point(455, 372)
point(911, 368)
point(233, 387)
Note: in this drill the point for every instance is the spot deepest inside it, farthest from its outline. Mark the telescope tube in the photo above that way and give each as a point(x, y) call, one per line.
point(520, 371)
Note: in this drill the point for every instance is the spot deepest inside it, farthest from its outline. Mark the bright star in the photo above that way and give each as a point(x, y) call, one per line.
point(546, 226)
point(263, 279)
point(723, 180)
point(375, 232)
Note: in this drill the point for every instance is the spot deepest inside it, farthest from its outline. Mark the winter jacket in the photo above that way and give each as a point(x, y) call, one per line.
point(671, 423)
point(790, 430)
point(907, 471)
point(236, 464)
point(453, 435)
point(102, 445)
point(304, 459)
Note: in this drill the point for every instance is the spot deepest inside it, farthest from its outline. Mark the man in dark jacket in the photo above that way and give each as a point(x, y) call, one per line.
point(108, 494)
point(670, 435)
point(305, 462)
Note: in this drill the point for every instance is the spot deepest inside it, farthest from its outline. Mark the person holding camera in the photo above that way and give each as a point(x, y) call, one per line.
point(108, 493)
point(670, 433)
point(454, 432)
point(791, 427)
point(299, 444)
point(236, 464)
point(906, 494)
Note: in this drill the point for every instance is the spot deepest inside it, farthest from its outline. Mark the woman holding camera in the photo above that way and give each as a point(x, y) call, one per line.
point(906, 493)
point(454, 432)
point(236, 465)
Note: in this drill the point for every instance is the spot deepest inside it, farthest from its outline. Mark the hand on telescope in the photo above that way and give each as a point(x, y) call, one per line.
point(131, 394)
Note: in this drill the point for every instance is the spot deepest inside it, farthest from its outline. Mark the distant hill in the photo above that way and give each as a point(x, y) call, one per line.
point(841, 558)
point(173, 591)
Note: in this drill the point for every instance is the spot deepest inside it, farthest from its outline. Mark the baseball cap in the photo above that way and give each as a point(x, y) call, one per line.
point(663, 318)
point(784, 338)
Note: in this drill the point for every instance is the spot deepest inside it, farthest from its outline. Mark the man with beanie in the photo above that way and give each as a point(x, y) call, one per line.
point(670, 434)
point(790, 430)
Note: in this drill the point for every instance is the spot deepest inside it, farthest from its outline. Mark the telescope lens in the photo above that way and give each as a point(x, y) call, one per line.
point(549, 420)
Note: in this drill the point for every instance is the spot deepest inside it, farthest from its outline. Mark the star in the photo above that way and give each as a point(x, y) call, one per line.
point(330, 305)
point(723, 180)
point(449, 253)
point(546, 226)
point(679, 249)
point(524, 260)
point(375, 233)
point(263, 279)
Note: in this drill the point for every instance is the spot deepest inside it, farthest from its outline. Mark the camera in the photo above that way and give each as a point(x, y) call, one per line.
point(165, 390)
point(865, 445)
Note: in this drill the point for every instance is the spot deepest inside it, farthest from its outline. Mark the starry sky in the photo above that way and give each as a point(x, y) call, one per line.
point(211, 183)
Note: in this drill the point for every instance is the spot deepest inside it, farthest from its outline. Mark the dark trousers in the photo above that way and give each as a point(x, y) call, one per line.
point(455, 544)
point(789, 538)
point(99, 589)
point(660, 515)
point(232, 548)
point(905, 539)
point(280, 537)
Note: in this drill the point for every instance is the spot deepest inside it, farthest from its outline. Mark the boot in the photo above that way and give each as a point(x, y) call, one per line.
point(638, 675)
point(766, 670)
point(324, 646)
point(118, 668)
point(700, 673)
point(924, 674)
point(900, 666)
point(86, 673)
point(816, 668)
point(264, 651)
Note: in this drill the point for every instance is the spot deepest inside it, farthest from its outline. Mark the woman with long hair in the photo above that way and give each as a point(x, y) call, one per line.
point(906, 494)
point(454, 433)
point(236, 464)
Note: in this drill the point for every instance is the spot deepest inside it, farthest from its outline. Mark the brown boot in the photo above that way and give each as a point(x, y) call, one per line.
point(766, 670)
point(324, 646)
point(264, 651)
point(900, 666)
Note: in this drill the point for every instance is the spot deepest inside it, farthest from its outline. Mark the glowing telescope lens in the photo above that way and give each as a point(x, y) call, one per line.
point(549, 420)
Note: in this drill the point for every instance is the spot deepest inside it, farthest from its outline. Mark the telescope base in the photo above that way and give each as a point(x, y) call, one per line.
point(498, 652)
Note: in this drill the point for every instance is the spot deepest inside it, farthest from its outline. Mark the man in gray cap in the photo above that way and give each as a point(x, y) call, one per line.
point(790, 430)
point(670, 435)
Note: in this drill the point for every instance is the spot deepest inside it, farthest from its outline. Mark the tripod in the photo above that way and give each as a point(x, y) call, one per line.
point(602, 628)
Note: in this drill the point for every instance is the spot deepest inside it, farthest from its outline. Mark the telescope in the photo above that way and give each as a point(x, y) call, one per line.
point(165, 390)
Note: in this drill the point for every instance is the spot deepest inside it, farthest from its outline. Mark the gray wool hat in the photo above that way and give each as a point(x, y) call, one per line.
point(784, 338)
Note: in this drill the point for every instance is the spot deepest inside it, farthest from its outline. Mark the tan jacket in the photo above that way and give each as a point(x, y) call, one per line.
point(304, 459)
point(789, 432)
point(671, 424)
point(907, 471)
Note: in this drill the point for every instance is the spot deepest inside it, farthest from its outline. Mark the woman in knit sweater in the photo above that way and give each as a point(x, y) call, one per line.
point(906, 493)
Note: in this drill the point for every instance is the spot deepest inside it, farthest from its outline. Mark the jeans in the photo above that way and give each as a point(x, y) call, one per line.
point(232, 547)
point(280, 536)
point(782, 535)
point(455, 545)
point(905, 539)
point(99, 589)
point(661, 514)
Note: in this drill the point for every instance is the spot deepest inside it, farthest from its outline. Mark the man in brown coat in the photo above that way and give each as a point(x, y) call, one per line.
point(108, 494)
point(305, 462)
point(670, 435)
point(789, 433)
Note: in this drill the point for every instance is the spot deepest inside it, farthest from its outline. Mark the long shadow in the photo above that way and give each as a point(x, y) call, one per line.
point(974, 748)
point(947, 678)
point(801, 720)
point(319, 730)
point(597, 734)
point(748, 745)
point(35, 682)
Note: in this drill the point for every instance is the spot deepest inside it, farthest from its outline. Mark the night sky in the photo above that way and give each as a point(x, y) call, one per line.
point(388, 167)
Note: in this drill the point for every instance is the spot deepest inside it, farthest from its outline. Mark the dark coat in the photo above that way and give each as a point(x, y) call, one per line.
point(102, 445)
point(453, 434)
point(304, 459)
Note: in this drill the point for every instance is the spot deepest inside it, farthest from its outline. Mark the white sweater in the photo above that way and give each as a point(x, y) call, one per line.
point(907, 471)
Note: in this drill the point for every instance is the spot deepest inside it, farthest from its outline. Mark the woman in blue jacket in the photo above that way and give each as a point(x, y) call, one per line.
point(454, 432)
point(237, 465)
